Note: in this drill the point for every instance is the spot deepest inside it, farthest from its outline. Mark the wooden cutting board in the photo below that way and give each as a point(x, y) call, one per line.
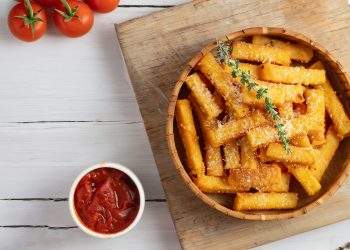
point(156, 49)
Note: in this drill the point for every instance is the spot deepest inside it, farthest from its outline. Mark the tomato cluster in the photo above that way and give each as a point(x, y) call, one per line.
point(73, 18)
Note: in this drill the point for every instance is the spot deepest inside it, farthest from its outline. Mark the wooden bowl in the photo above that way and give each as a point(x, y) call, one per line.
point(338, 169)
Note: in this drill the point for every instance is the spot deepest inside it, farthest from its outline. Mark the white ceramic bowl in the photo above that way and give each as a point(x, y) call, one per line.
point(133, 177)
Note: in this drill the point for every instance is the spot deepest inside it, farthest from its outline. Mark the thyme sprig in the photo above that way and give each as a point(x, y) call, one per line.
point(261, 92)
point(223, 50)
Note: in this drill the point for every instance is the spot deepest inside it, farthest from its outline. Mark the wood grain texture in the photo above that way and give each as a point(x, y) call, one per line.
point(156, 49)
point(52, 154)
point(145, 236)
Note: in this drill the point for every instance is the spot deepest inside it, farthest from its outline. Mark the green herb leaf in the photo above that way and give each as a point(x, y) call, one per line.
point(261, 92)
point(223, 50)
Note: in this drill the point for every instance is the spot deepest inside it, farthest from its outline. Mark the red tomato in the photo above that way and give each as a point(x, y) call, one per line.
point(50, 3)
point(18, 15)
point(103, 6)
point(74, 20)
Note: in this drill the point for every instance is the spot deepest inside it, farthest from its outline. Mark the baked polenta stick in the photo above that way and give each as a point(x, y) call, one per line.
point(307, 180)
point(248, 157)
point(285, 110)
point(316, 107)
point(281, 187)
point(334, 107)
point(279, 94)
point(260, 53)
point(276, 152)
point(222, 82)
point(292, 75)
point(232, 155)
point(298, 52)
point(213, 158)
point(213, 161)
point(301, 140)
point(265, 201)
point(213, 184)
point(257, 178)
point(236, 128)
point(325, 153)
point(203, 97)
point(187, 130)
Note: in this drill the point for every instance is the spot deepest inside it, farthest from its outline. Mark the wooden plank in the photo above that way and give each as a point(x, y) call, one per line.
point(154, 231)
point(170, 39)
point(54, 87)
point(48, 156)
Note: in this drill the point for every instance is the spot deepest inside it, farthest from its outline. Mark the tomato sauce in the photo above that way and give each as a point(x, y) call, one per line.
point(106, 200)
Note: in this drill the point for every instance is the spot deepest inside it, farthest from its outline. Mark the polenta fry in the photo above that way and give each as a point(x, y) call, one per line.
point(203, 96)
point(260, 53)
point(265, 201)
point(257, 178)
point(292, 75)
point(305, 178)
point(298, 52)
point(187, 130)
point(305, 155)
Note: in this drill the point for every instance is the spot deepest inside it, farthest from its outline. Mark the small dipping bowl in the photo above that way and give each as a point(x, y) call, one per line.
point(80, 222)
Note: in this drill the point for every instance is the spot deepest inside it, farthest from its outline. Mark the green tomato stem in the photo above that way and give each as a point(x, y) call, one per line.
point(30, 8)
point(68, 8)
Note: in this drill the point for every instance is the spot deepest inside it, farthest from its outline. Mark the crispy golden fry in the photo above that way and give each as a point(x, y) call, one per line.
point(285, 110)
point(282, 187)
point(316, 107)
point(213, 158)
point(317, 138)
point(213, 161)
point(213, 184)
point(207, 125)
point(292, 75)
point(203, 96)
point(187, 130)
point(305, 155)
point(279, 94)
point(222, 82)
point(240, 110)
point(219, 100)
point(232, 156)
point(252, 68)
point(298, 52)
point(305, 178)
point(262, 155)
point(260, 53)
point(324, 154)
point(265, 201)
point(334, 107)
point(301, 140)
point(248, 157)
point(258, 178)
point(236, 128)
point(303, 124)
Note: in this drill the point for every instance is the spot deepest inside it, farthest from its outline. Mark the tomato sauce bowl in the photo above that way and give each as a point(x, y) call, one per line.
point(106, 200)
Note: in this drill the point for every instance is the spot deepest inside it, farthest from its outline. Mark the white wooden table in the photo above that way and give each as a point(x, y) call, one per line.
point(65, 105)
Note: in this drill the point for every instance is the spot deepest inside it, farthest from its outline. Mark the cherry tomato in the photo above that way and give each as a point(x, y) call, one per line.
point(49, 3)
point(19, 15)
point(74, 18)
point(103, 6)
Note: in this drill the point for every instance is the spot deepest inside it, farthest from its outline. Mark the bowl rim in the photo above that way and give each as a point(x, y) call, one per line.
point(274, 31)
point(75, 215)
